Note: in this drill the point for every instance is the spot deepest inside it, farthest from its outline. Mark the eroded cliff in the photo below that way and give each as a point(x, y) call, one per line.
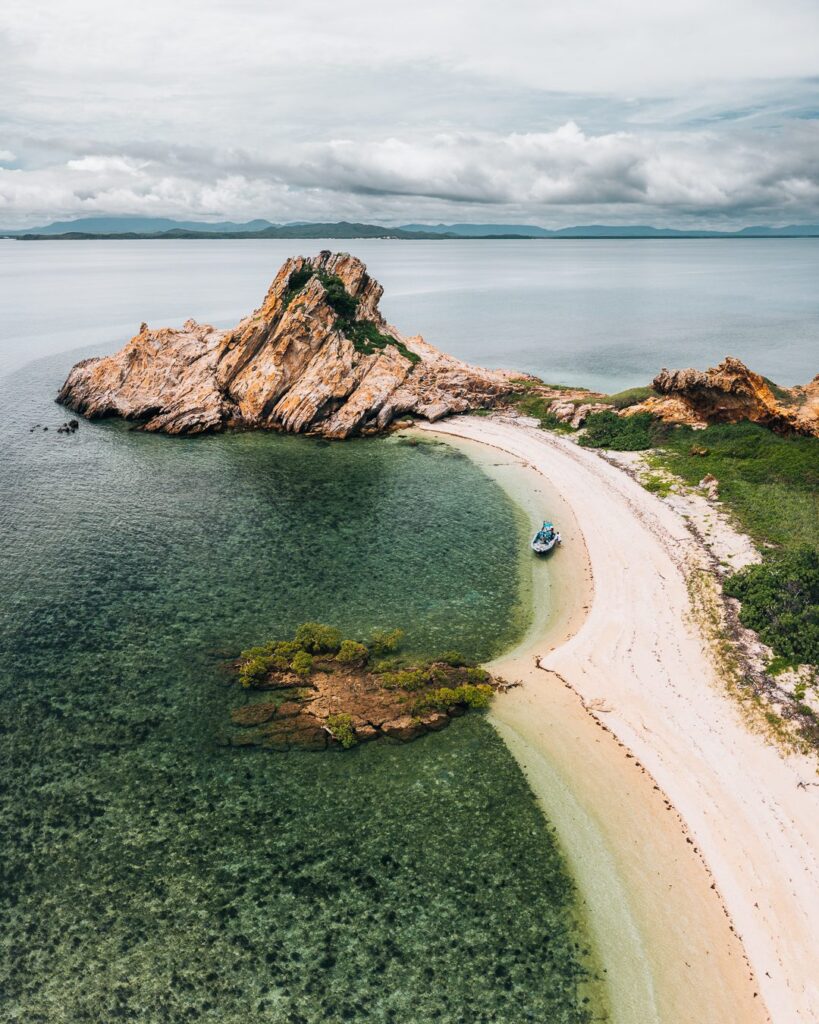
point(316, 357)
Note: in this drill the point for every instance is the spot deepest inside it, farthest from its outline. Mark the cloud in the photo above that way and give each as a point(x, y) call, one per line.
point(634, 110)
point(549, 176)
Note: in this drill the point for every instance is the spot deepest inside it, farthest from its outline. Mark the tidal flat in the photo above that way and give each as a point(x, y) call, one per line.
point(151, 874)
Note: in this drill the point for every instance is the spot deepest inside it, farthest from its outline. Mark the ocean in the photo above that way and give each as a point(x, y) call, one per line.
point(600, 313)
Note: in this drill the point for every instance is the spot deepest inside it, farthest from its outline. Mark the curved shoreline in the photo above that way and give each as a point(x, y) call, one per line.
point(723, 837)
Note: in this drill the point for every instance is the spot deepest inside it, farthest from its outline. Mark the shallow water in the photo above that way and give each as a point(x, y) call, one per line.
point(149, 873)
point(607, 314)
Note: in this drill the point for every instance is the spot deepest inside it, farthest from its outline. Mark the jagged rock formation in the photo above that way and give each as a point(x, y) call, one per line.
point(316, 357)
point(729, 393)
point(573, 412)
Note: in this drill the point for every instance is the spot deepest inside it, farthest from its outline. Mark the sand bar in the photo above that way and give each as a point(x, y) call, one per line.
point(727, 847)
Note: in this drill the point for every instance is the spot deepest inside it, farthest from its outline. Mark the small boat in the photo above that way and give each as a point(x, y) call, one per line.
point(545, 539)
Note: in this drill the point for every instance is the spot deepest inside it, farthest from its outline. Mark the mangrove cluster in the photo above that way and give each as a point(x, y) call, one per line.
point(324, 690)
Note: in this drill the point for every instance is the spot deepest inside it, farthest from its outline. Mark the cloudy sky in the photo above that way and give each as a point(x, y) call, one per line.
point(616, 111)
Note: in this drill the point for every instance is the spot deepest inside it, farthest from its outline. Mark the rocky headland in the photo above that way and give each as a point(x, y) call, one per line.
point(730, 393)
point(727, 393)
point(317, 357)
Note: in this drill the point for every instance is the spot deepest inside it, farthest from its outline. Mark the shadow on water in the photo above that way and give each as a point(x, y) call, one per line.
point(149, 874)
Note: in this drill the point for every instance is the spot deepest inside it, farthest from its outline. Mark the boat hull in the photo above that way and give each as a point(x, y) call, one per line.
point(541, 547)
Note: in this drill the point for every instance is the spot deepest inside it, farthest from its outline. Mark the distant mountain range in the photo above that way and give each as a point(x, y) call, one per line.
point(608, 231)
point(162, 227)
point(139, 227)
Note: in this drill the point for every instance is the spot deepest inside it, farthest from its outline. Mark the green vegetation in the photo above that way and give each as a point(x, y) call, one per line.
point(530, 403)
point(364, 334)
point(302, 663)
point(478, 698)
point(771, 484)
point(344, 304)
point(317, 638)
point(367, 339)
point(311, 638)
point(352, 653)
point(440, 683)
point(405, 679)
point(620, 433)
point(455, 659)
point(780, 601)
point(384, 641)
point(342, 729)
point(783, 395)
point(297, 280)
point(254, 670)
point(439, 672)
point(657, 484)
point(770, 481)
point(629, 397)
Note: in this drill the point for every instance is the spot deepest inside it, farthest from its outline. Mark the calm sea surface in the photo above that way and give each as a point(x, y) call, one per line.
point(608, 314)
point(149, 873)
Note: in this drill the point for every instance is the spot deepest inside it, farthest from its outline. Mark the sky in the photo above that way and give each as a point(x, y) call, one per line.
point(681, 114)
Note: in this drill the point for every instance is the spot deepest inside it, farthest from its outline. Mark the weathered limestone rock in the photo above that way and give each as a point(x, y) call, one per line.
point(729, 393)
point(316, 357)
point(403, 728)
point(582, 412)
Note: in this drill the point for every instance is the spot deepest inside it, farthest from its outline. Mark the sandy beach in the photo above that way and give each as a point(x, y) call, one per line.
point(695, 847)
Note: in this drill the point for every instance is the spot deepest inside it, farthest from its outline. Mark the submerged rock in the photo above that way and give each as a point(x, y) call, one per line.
point(316, 357)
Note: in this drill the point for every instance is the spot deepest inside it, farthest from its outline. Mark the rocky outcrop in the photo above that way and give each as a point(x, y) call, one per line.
point(342, 705)
point(316, 357)
point(729, 393)
point(575, 413)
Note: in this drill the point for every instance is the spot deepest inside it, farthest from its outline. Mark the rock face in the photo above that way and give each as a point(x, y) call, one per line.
point(729, 393)
point(316, 357)
point(575, 415)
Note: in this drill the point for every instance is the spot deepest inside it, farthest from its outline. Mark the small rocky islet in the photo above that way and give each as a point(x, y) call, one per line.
point(324, 691)
point(317, 357)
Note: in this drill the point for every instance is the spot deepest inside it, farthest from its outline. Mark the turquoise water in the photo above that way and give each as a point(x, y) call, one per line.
point(606, 314)
point(150, 874)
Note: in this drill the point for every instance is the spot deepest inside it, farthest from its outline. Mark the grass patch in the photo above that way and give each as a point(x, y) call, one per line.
point(657, 484)
point(629, 397)
point(769, 481)
point(620, 433)
point(530, 403)
point(780, 602)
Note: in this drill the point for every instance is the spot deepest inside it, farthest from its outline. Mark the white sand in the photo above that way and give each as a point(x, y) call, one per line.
point(640, 659)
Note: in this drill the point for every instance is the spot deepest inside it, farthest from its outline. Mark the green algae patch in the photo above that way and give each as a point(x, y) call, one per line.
point(398, 883)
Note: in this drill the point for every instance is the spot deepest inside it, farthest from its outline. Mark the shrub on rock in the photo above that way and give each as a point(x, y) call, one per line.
point(302, 664)
point(317, 638)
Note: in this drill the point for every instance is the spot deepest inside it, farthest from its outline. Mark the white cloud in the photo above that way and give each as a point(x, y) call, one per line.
point(551, 177)
point(319, 109)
